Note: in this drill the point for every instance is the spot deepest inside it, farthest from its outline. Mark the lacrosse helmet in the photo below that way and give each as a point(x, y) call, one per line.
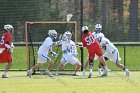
point(9, 27)
point(52, 34)
point(84, 28)
point(98, 28)
point(67, 36)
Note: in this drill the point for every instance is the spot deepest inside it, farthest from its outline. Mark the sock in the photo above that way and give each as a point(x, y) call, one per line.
point(4, 73)
point(106, 68)
point(100, 69)
point(47, 70)
point(84, 70)
point(124, 69)
point(90, 70)
point(31, 70)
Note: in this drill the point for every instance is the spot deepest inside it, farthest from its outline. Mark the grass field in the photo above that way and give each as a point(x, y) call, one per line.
point(115, 82)
point(132, 58)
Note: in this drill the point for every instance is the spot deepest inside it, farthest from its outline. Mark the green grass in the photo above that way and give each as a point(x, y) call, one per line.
point(115, 82)
point(132, 58)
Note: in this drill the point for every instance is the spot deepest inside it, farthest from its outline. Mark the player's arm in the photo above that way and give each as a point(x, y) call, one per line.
point(8, 44)
point(53, 53)
point(58, 43)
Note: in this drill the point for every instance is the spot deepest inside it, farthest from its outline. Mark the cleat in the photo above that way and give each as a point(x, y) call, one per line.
point(104, 74)
point(90, 74)
point(29, 73)
point(57, 74)
point(100, 71)
point(5, 76)
point(108, 70)
point(83, 73)
point(49, 74)
point(74, 74)
point(127, 73)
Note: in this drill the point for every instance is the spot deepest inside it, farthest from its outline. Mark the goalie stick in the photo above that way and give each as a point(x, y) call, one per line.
point(69, 16)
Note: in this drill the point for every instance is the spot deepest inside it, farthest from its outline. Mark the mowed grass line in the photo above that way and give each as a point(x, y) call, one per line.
point(116, 82)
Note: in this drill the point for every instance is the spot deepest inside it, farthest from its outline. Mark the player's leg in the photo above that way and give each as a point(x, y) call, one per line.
point(30, 71)
point(4, 75)
point(59, 68)
point(41, 60)
point(77, 65)
point(103, 62)
point(62, 64)
point(8, 58)
point(117, 59)
point(123, 68)
point(90, 67)
point(100, 65)
point(51, 64)
point(98, 52)
point(85, 66)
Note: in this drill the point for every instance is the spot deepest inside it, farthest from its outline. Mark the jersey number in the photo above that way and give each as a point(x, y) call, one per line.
point(89, 40)
point(2, 40)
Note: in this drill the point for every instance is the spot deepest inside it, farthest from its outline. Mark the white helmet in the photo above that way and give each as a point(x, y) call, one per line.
point(8, 27)
point(98, 26)
point(52, 34)
point(67, 36)
point(84, 28)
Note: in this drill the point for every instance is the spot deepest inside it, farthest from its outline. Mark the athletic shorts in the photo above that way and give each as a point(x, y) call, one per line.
point(115, 57)
point(5, 56)
point(95, 51)
point(42, 58)
point(73, 60)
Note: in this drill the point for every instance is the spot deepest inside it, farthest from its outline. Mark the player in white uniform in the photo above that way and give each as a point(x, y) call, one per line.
point(112, 53)
point(69, 53)
point(43, 51)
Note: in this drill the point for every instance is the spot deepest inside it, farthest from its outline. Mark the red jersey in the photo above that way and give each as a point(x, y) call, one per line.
point(6, 39)
point(92, 45)
point(5, 56)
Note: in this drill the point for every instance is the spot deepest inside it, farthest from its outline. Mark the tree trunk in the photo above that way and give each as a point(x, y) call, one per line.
point(133, 22)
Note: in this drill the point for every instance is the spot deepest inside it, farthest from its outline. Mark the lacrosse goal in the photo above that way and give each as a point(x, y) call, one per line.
point(36, 32)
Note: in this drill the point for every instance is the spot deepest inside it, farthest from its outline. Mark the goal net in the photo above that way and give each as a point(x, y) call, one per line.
point(36, 32)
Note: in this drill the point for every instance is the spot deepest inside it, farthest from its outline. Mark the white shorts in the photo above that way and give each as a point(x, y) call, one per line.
point(42, 58)
point(73, 60)
point(115, 57)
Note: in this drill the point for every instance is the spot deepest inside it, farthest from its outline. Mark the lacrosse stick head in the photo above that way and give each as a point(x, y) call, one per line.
point(69, 16)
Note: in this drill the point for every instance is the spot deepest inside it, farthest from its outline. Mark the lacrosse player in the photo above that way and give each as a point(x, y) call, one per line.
point(93, 47)
point(69, 53)
point(6, 48)
point(43, 51)
point(112, 53)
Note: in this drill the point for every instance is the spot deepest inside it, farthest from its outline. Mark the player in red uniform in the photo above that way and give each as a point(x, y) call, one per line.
point(6, 47)
point(93, 47)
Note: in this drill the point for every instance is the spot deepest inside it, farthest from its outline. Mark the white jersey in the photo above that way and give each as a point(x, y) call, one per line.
point(98, 36)
point(69, 47)
point(110, 51)
point(45, 47)
point(107, 46)
point(71, 52)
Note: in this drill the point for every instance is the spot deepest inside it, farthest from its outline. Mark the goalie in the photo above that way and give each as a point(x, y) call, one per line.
point(69, 53)
point(6, 47)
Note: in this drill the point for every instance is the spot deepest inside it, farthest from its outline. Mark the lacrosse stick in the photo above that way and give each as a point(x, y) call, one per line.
point(69, 16)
